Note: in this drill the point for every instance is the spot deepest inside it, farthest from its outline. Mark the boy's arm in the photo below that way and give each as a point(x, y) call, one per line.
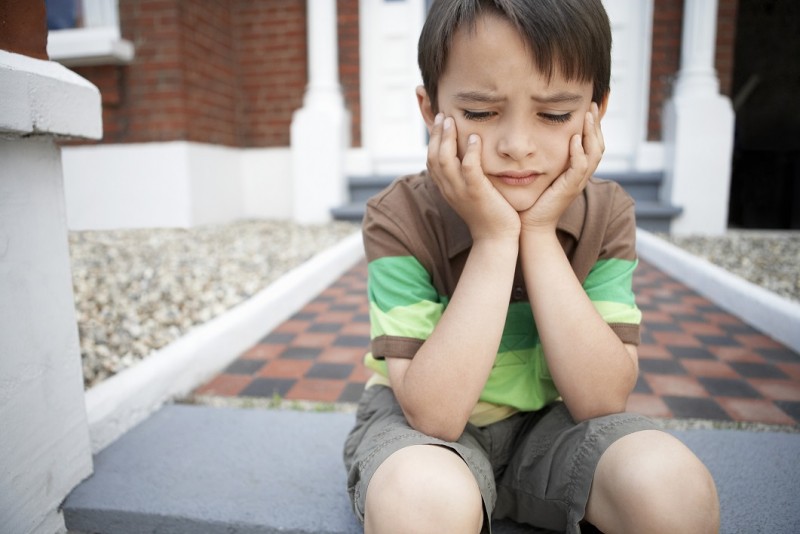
point(440, 386)
point(592, 369)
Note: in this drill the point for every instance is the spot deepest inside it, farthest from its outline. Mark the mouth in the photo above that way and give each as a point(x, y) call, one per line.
point(517, 177)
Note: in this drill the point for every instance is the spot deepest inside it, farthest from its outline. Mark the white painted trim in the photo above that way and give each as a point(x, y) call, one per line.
point(42, 97)
point(89, 46)
point(777, 317)
point(120, 402)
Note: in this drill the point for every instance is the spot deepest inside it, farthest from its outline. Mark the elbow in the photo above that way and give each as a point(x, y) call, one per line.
point(445, 429)
point(584, 411)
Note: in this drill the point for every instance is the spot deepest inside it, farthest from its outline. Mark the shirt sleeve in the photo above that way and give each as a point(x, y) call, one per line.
point(404, 305)
point(609, 284)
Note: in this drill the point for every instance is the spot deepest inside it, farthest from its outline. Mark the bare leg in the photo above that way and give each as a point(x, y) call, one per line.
point(423, 489)
point(649, 481)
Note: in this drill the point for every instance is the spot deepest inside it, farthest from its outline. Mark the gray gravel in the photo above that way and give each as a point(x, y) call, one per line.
point(769, 259)
point(138, 290)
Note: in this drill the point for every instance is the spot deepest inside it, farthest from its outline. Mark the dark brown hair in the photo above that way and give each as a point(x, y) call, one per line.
point(572, 37)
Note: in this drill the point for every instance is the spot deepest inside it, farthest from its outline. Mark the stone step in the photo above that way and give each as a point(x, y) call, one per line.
point(189, 469)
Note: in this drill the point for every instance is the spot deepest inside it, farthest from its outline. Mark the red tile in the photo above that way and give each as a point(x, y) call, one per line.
point(736, 354)
point(681, 386)
point(360, 374)
point(755, 410)
point(284, 368)
point(652, 316)
point(709, 368)
point(654, 352)
point(313, 339)
point(334, 317)
point(758, 341)
point(342, 355)
point(225, 385)
point(356, 329)
point(791, 369)
point(787, 390)
point(679, 308)
point(722, 318)
point(703, 329)
point(293, 327)
point(316, 307)
point(677, 339)
point(314, 389)
point(263, 351)
point(649, 405)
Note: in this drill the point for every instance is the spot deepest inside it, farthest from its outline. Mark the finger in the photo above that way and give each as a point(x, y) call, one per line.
point(577, 173)
point(471, 162)
point(435, 140)
point(448, 162)
point(593, 141)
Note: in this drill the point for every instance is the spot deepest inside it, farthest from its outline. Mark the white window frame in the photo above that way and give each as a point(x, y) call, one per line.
point(98, 42)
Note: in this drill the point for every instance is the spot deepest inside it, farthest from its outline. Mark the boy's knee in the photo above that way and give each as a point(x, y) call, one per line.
point(423, 488)
point(657, 484)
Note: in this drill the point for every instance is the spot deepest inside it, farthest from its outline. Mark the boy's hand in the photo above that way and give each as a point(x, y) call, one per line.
point(464, 185)
point(585, 152)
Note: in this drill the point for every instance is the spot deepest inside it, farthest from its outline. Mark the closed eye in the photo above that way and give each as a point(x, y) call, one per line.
point(478, 115)
point(556, 119)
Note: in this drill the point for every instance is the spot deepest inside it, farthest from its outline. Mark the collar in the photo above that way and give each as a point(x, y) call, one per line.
point(457, 232)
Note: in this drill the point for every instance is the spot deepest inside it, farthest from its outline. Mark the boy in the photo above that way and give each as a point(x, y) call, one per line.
point(504, 329)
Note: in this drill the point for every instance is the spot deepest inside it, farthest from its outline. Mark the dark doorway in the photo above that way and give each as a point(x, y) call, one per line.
point(765, 181)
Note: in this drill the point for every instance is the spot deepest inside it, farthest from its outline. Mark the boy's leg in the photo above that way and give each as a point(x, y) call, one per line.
point(649, 481)
point(401, 480)
point(423, 489)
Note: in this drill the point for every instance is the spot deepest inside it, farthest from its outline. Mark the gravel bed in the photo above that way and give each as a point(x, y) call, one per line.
point(138, 290)
point(769, 259)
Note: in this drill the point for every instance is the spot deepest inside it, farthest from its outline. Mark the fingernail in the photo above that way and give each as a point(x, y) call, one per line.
point(438, 119)
point(473, 138)
point(591, 117)
point(448, 123)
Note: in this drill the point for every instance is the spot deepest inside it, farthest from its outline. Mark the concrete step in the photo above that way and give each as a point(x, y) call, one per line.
point(651, 214)
point(189, 469)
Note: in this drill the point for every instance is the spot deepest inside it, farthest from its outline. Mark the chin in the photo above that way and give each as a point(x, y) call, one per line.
point(520, 200)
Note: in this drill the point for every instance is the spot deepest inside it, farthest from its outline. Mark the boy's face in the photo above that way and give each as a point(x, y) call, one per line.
point(491, 87)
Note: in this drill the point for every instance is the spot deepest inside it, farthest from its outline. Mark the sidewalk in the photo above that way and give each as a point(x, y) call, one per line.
point(696, 360)
point(217, 467)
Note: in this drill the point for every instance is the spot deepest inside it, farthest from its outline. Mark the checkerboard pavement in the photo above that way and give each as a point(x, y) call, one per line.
point(696, 360)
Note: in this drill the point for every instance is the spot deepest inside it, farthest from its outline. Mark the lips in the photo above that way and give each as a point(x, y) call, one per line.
point(517, 177)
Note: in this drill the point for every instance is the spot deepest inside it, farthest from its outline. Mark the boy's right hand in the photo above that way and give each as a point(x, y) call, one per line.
point(465, 187)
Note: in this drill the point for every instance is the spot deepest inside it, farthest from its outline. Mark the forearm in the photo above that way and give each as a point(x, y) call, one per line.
point(591, 367)
point(439, 387)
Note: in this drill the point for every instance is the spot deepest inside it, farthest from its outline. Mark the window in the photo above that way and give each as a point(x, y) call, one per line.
point(86, 32)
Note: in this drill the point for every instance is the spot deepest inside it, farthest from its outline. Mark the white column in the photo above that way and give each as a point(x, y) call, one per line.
point(320, 132)
point(698, 130)
point(44, 434)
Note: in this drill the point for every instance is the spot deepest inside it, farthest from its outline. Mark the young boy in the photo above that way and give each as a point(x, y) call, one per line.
point(504, 328)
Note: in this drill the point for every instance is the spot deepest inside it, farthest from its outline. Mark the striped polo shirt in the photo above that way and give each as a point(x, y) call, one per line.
point(416, 247)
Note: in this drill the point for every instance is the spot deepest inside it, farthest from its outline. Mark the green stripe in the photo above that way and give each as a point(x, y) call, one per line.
point(399, 281)
point(614, 312)
point(416, 320)
point(611, 280)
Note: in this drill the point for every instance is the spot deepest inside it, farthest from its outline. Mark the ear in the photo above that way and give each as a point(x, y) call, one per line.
point(425, 107)
point(602, 106)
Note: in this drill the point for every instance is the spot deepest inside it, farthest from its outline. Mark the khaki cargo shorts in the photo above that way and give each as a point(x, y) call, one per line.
point(533, 468)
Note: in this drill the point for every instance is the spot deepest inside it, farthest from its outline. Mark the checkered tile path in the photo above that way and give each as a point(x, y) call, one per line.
point(696, 360)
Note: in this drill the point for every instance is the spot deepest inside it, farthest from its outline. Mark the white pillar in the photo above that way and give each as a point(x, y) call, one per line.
point(44, 434)
point(320, 132)
point(698, 127)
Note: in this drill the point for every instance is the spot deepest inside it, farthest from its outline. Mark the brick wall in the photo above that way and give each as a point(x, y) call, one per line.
point(666, 54)
point(228, 72)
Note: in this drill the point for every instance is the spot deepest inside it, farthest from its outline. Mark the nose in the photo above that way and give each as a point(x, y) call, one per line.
point(516, 139)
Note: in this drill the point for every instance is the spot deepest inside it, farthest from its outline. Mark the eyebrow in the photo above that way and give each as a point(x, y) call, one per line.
point(487, 98)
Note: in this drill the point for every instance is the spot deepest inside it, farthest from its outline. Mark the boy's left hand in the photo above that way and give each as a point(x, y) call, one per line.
point(585, 151)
